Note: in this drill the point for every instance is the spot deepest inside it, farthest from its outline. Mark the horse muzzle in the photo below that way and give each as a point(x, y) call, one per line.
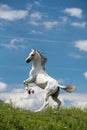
point(28, 60)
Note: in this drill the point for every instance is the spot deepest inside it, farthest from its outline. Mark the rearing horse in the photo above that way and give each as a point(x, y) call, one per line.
point(39, 76)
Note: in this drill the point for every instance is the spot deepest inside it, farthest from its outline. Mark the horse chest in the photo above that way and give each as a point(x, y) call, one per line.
point(41, 80)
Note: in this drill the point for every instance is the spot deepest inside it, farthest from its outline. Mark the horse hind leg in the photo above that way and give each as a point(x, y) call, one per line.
point(57, 101)
point(55, 98)
point(43, 107)
point(45, 103)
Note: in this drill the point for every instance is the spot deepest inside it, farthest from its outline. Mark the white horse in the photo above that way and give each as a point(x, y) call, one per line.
point(39, 76)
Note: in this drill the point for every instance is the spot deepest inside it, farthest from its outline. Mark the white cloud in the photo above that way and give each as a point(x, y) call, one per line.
point(50, 25)
point(47, 25)
point(64, 19)
point(75, 99)
point(14, 44)
point(76, 56)
point(33, 5)
point(9, 14)
point(79, 104)
point(37, 3)
point(78, 24)
point(82, 45)
point(76, 12)
point(36, 16)
point(36, 20)
point(36, 32)
point(85, 74)
point(21, 99)
point(3, 86)
point(35, 23)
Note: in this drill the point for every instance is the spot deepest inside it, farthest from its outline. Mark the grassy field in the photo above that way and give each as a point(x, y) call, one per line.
point(51, 119)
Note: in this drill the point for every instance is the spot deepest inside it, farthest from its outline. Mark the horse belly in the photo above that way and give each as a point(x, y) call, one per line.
point(41, 81)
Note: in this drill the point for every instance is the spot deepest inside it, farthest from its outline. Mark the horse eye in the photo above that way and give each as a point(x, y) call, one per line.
point(32, 54)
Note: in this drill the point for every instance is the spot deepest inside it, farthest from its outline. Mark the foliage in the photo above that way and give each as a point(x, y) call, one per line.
point(12, 118)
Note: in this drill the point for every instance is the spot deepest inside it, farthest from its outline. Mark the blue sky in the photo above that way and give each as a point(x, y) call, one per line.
point(58, 29)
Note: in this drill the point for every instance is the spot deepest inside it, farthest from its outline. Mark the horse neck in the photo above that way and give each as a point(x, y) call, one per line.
point(37, 64)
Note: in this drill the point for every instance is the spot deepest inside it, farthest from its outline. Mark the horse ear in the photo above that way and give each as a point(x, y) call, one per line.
point(32, 49)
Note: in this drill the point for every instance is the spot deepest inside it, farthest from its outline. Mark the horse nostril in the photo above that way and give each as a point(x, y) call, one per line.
point(28, 60)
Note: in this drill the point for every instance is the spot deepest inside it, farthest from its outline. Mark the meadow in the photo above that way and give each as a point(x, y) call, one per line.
point(12, 118)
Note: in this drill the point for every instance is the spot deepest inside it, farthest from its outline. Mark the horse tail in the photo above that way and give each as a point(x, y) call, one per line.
point(68, 88)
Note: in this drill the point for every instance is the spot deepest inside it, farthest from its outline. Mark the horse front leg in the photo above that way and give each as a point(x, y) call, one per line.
point(26, 82)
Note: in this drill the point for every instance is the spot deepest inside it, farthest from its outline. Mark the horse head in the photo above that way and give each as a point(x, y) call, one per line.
point(33, 56)
point(36, 56)
point(30, 57)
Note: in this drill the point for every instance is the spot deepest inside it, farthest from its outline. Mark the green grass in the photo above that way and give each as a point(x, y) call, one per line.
point(51, 119)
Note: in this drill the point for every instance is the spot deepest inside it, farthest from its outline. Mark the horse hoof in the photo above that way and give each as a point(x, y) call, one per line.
point(33, 91)
point(29, 91)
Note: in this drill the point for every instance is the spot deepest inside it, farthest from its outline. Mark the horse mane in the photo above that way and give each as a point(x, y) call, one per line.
point(43, 60)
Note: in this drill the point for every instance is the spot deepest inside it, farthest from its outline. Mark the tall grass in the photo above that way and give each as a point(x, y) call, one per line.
point(51, 119)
